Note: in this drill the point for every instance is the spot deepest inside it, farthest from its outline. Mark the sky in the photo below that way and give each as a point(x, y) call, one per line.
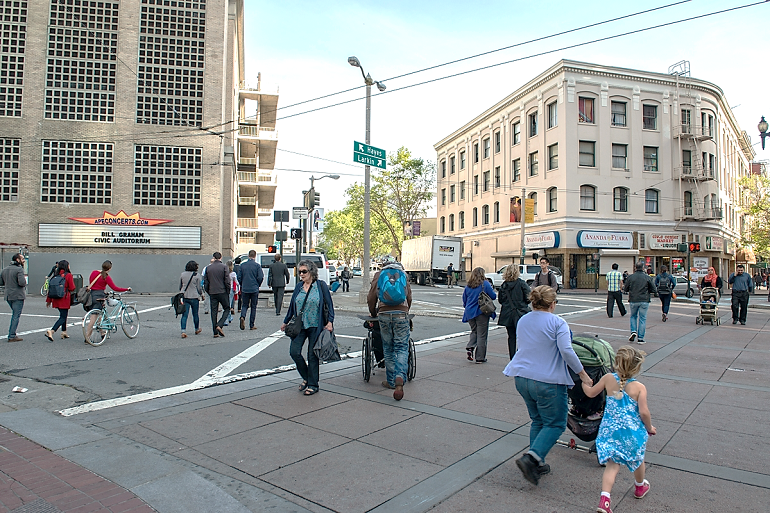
point(302, 48)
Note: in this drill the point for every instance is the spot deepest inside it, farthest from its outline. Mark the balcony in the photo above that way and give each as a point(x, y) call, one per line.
point(247, 200)
point(690, 131)
point(699, 213)
point(695, 172)
point(253, 131)
point(256, 178)
point(247, 222)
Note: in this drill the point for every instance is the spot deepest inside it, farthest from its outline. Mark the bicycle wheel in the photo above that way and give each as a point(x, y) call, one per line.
point(93, 333)
point(366, 357)
point(411, 368)
point(129, 320)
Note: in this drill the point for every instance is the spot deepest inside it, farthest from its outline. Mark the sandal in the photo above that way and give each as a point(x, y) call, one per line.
point(311, 391)
point(470, 354)
point(303, 386)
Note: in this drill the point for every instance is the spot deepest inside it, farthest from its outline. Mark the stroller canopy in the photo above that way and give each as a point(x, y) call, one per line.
point(604, 357)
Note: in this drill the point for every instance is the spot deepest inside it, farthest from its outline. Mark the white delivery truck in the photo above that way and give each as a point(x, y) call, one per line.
point(425, 259)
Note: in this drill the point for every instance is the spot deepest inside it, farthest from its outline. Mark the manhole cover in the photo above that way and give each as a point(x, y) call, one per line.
point(38, 506)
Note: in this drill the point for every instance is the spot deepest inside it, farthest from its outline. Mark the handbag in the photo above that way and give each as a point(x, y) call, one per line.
point(84, 295)
point(486, 304)
point(178, 300)
point(294, 326)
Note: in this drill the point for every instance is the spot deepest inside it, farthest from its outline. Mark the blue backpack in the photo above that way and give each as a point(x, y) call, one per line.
point(56, 287)
point(392, 286)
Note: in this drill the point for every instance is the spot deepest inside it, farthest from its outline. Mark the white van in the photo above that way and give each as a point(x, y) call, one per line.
point(265, 259)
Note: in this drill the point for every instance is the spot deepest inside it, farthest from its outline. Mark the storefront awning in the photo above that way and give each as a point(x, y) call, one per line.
point(619, 252)
point(746, 255)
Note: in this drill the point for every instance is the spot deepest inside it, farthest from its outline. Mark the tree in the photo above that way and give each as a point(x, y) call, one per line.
point(756, 192)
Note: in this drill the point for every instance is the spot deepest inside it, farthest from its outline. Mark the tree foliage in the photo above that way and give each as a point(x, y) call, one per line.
point(756, 193)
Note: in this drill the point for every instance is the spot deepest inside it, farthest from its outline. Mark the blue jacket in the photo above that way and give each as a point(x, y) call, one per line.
point(471, 300)
point(326, 300)
point(250, 276)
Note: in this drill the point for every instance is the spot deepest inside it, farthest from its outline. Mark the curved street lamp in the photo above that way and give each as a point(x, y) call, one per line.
point(762, 126)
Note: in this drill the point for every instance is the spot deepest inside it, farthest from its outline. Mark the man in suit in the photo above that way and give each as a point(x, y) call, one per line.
point(217, 286)
point(277, 278)
point(250, 276)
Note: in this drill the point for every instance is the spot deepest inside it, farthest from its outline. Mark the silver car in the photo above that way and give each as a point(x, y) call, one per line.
point(682, 288)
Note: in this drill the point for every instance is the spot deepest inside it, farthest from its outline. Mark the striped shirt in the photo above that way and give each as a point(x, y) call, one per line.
point(613, 281)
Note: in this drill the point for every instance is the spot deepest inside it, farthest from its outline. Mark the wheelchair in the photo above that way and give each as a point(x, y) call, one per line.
point(372, 355)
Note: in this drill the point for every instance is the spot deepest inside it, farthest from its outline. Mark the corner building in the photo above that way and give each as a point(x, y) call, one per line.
point(120, 134)
point(618, 165)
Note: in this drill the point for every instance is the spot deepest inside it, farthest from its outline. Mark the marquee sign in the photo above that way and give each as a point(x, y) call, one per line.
point(134, 237)
point(120, 219)
point(596, 239)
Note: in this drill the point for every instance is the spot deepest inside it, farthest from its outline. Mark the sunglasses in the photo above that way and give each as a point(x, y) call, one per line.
point(303, 271)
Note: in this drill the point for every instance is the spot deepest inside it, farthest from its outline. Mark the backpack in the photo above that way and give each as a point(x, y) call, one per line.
point(549, 276)
point(664, 285)
point(392, 286)
point(56, 287)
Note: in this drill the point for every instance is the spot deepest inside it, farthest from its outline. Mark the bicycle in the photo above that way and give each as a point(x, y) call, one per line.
point(98, 324)
point(44, 288)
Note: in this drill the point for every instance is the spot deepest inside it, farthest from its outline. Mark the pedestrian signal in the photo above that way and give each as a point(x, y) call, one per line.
point(272, 249)
point(296, 233)
point(694, 247)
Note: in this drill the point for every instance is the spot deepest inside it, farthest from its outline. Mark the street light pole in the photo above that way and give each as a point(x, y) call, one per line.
point(762, 127)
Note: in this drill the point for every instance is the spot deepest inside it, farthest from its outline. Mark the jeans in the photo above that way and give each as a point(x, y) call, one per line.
point(345, 285)
point(214, 301)
point(232, 304)
point(547, 407)
point(739, 304)
point(309, 371)
point(394, 330)
point(573, 283)
point(190, 304)
point(61, 322)
point(612, 298)
point(665, 301)
point(249, 298)
point(479, 331)
point(278, 298)
point(16, 306)
point(639, 310)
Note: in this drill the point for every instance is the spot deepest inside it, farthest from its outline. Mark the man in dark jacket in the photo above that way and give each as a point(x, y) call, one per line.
point(217, 286)
point(743, 285)
point(639, 287)
point(346, 275)
point(14, 281)
point(277, 278)
point(250, 276)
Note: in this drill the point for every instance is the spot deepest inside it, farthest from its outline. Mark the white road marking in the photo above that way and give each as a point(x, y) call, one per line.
point(239, 359)
point(581, 311)
point(426, 303)
point(32, 315)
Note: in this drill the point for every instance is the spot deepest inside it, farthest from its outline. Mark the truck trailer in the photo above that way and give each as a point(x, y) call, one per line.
point(425, 259)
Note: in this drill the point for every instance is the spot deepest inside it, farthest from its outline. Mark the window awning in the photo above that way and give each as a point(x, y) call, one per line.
point(619, 252)
point(746, 255)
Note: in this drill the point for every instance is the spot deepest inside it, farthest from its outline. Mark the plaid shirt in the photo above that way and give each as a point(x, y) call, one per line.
point(613, 281)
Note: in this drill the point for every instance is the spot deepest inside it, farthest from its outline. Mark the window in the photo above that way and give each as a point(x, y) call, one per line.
point(485, 214)
point(516, 138)
point(451, 165)
point(650, 117)
point(651, 201)
point(619, 154)
point(497, 177)
point(552, 197)
point(462, 220)
point(533, 124)
point(712, 165)
point(167, 176)
point(618, 114)
point(475, 216)
point(533, 197)
point(587, 197)
point(475, 153)
point(12, 69)
point(497, 142)
point(687, 161)
point(442, 224)
point(486, 180)
point(553, 156)
point(687, 120)
point(587, 153)
point(443, 169)
point(687, 203)
point(451, 222)
point(620, 199)
point(475, 184)
point(497, 211)
point(533, 164)
point(443, 196)
point(452, 194)
point(462, 160)
point(9, 169)
point(552, 115)
point(75, 172)
point(651, 159)
point(462, 190)
point(486, 148)
point(516, 166)
point(585, 110)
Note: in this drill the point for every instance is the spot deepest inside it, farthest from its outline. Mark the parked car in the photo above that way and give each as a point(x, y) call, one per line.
point(334, 273)
point(526, 273)
point(357, 271)
point(682, 288)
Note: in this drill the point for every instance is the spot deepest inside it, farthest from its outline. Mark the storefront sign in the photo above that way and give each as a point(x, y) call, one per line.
point(120, 219)
point(714, 244)
point(541, 240)
point(135, 237)
point(592, 239)
point(700, 264)
point(664, 240)
point(729, 247)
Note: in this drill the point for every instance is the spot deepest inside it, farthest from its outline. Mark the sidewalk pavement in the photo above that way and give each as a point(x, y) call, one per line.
point(450, 445)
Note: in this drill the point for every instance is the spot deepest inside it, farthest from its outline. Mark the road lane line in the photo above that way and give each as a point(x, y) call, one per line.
point(241, 358)
point(32, 315)
point(581, 311)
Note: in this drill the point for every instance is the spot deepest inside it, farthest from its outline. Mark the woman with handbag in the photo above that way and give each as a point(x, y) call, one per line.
point(310, 312)
point(191, 286)
point(62, 303)
point(478, 292)
point(514, 303)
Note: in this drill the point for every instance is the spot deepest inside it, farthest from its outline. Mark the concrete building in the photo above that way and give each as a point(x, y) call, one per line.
point(126, 135)
point(615, 164)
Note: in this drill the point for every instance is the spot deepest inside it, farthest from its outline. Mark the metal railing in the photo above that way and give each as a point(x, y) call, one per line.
point(693, 130)
point(261, 132)
point(247, 161)
point(247, 200)
point(255, 177)
point(247, 222)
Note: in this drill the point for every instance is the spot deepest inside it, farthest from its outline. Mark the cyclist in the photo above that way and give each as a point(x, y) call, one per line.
point(98, 294)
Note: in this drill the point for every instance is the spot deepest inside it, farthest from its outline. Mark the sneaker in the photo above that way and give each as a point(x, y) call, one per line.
point(385, 384)
point(640, 341)
point(632, 337)
point(398, 393)
point(243, 323)
point(544, 469)
point(529, 468)
point(641, 491)
point(743, 323)
point(665, 317)
point(735, 321)
point(604, 505)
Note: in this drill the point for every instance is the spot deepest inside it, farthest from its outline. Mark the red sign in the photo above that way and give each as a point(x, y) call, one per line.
point(120, 219)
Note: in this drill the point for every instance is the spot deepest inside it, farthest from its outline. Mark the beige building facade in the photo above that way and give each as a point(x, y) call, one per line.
point(121, 133)
point(618, 165)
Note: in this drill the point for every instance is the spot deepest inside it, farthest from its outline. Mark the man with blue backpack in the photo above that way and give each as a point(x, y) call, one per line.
point(389, 299)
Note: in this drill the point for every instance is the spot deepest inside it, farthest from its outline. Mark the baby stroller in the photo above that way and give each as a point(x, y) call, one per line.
point(709, 306)
point(585, 414)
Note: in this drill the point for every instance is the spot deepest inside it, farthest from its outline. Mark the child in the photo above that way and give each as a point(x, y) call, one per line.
point(626, 424)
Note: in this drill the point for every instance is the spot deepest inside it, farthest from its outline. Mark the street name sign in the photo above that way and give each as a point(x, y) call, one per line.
point(299, 213)
point(369, 155)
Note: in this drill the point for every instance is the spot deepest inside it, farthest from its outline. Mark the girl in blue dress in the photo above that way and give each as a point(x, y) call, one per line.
point(625, 426)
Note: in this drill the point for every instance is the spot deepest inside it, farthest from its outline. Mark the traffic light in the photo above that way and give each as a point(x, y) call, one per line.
point(272, 249)
point(316, 199)
point(310, 201)
point(694, 247)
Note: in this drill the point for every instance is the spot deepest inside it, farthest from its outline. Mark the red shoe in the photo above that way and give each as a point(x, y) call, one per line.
point(604, 505)
point(641, 491)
